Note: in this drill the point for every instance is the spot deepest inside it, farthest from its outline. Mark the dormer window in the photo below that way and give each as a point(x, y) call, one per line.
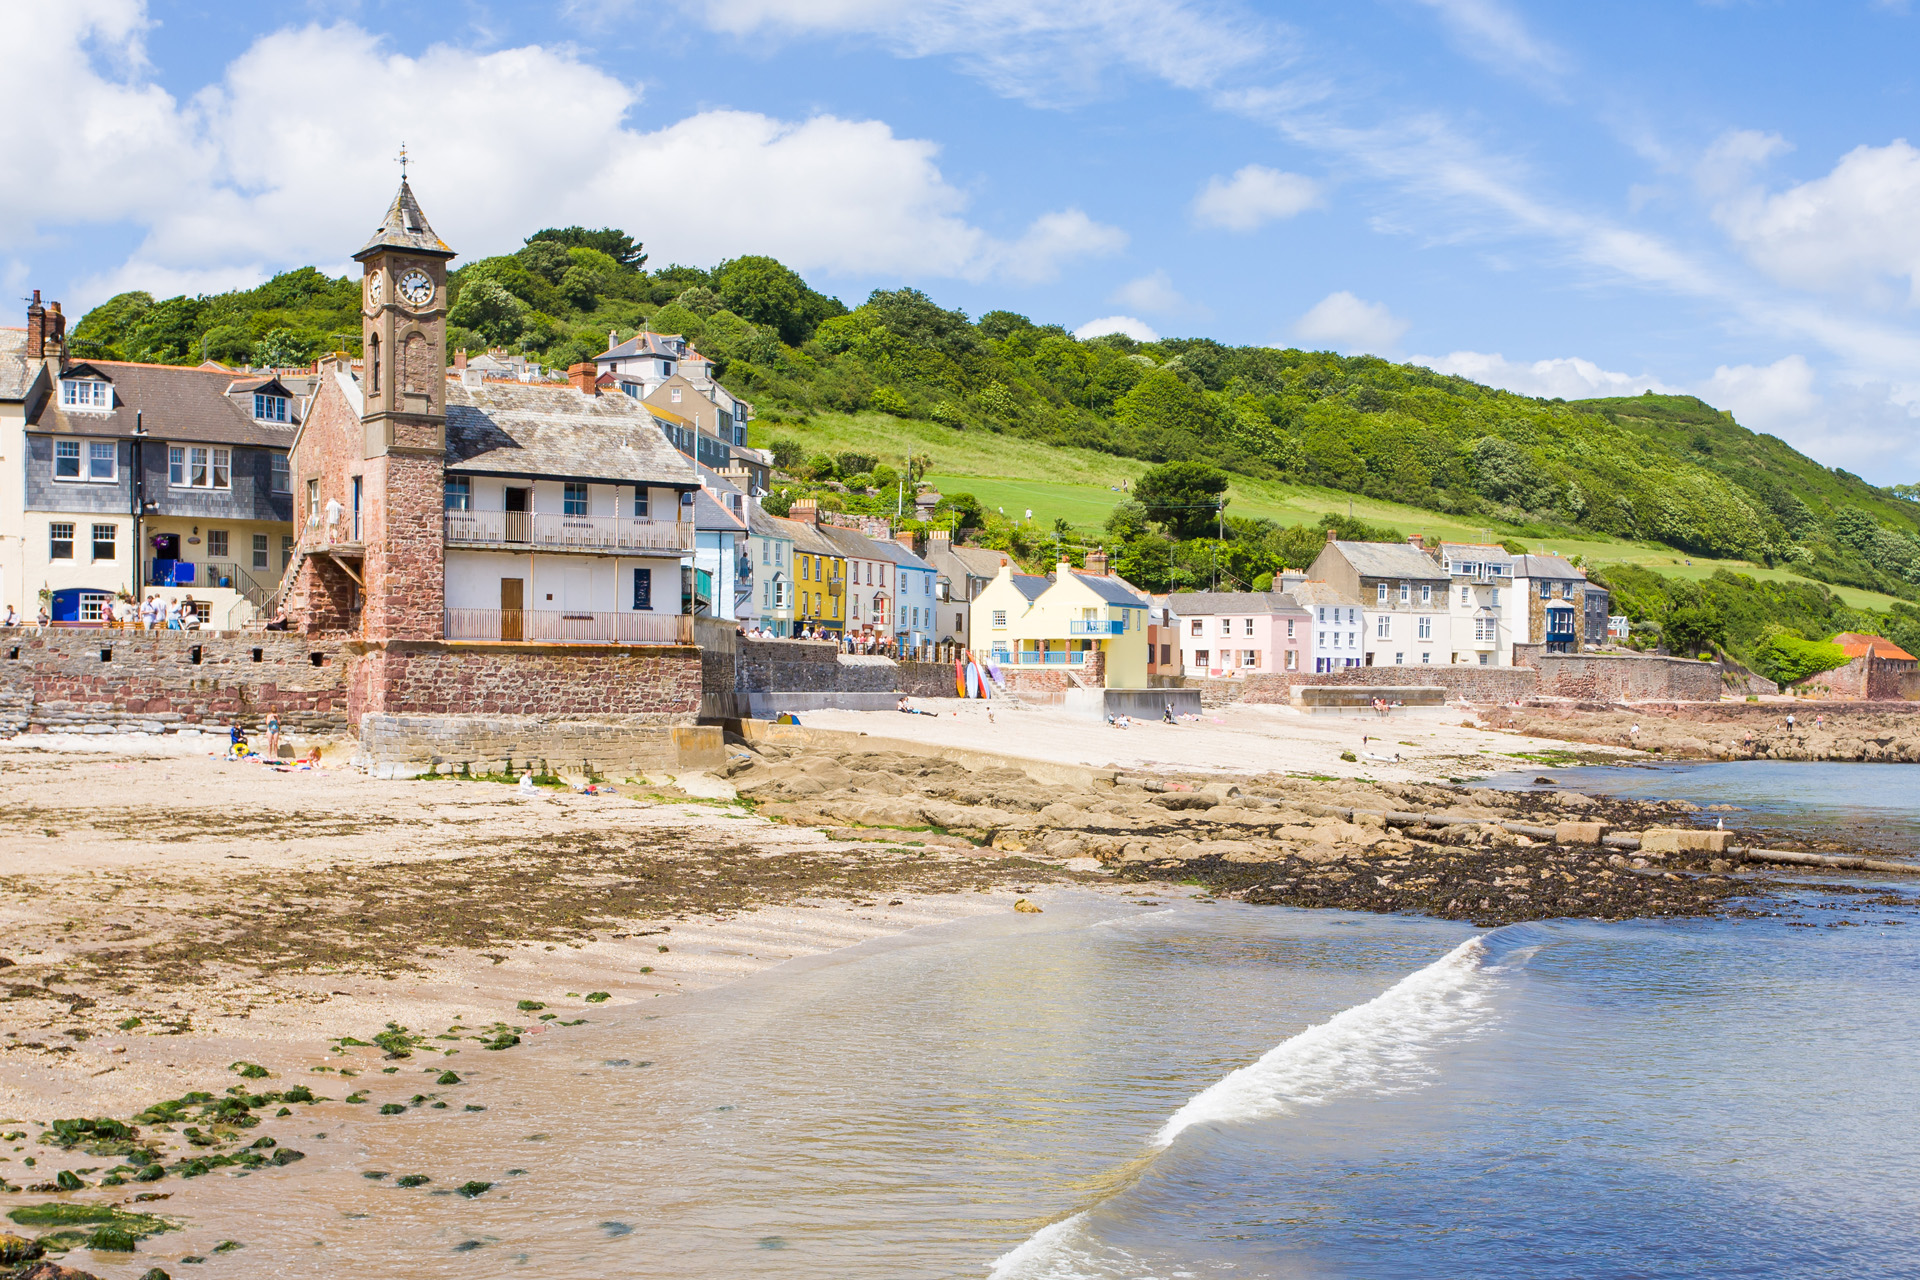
point(269, 408)
point(86, 393)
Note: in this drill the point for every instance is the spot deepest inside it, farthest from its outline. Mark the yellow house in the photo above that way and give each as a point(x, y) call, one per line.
point(819, 579)
point(1025, 622)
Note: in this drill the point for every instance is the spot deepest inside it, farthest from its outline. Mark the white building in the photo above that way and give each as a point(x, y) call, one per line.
point(1335, 627)
point(1480, 602)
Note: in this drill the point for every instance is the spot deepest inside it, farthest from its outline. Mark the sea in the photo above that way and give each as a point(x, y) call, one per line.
point(1134, 1087)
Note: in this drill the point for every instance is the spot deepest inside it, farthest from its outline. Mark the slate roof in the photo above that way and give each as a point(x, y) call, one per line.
point(1190, 604)
point(964, 562)
point(709, 515)
point(1030, 585)
point(1315, 594)
point(173, 402)
point(644, 343)
point(405, 227)
point(554, 432)
point(1389, 560)
point(900, 555)
point(1531, 566)
point(16, 374)
point(808, 538)
point(853, 543)
point(762, 524)
point(1112, 590)
point(1475, 553)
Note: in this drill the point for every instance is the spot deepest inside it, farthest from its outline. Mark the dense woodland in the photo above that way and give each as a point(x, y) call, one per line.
point(1670, 469)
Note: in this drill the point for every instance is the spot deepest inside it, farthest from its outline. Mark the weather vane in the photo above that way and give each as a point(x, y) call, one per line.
point(403, 162)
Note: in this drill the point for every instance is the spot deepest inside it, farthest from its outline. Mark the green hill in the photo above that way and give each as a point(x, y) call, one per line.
point(1032, 417)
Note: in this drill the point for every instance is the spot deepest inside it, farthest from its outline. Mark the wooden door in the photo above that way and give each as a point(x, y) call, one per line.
point(513, 600)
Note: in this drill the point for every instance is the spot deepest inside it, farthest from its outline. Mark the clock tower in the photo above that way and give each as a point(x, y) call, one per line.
point(403, 317)
point(396, 496)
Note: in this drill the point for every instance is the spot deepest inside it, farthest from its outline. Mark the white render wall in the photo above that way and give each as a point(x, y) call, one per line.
point(560, 581)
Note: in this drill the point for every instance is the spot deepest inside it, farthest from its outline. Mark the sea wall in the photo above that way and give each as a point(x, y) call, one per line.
point(651, 683)
point(1587, 677)
point(406, 746)
point(100, 680)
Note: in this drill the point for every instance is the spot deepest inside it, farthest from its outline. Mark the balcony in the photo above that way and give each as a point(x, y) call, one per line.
point(1097, 628)
point(567, 626)
point(1040, 658)
point(542, 531)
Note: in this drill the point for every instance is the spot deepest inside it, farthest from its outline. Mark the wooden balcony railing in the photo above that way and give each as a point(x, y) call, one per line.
point(568, 626)
point(567, 533)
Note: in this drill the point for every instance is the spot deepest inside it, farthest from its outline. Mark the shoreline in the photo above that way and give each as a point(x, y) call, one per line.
point(241, 941)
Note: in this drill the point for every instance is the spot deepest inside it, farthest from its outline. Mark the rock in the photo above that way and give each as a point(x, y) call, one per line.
point(1617, 861)
point(1010, 841)
point(1719, 865)
point(53, 1271)
point(472, 1189)
point(1573, 800)
point(1083, 864)
point(1579, 832)
point(1683, 840)
point(16, 1249)
point(1319, 854)
point(155, 1273)
point(1220, 790)
point(1025, 908)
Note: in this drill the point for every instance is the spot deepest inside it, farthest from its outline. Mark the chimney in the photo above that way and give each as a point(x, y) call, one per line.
point(1331, 537)
point(1097, 562)
point(36, 328)
point(805, 510)
point(1061, 570)
point(613, 339)
point(905, 538)
point(1415, 541)
point(940, 537)
point(460, 359)
point(584, 378)
point(1291, 578)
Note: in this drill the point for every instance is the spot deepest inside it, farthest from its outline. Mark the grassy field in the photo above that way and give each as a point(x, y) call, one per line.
point(1083, 485)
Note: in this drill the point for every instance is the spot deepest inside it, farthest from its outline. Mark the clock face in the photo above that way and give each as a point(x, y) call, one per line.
point(417, 288)
point(375, 285)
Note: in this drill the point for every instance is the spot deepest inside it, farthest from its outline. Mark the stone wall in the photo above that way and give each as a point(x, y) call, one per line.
point(1587, 677)
point(648, 683)
point(406, 746)
point(1594, 677)
point(1872, 678)
point(154, 681)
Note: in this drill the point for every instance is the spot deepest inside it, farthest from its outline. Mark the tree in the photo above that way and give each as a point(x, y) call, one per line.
point(1787, 658)
point(1693, 629)
point(1163, 417)
point(280, 349)
point(1186, 497)
point(489, 311)
point(767, 292)
point(787, 452)
point(964, 506)
point(618, 245)
point(1128, 520)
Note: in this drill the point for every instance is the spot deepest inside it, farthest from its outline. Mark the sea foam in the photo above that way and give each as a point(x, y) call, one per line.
point(1382, 1046)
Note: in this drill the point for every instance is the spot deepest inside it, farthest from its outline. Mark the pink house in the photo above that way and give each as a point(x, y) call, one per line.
point(1239, 633)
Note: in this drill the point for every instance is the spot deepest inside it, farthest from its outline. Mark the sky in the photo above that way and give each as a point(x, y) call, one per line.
point(1716, 197)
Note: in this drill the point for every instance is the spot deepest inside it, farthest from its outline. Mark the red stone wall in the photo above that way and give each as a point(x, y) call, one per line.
point(319, 598)
point(149, 681)
point(1587, 677)
point(398, 678)
point(405, 569)
point(1872, 678)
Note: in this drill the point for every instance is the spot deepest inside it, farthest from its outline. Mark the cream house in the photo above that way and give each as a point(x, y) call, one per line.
point(1025, 621)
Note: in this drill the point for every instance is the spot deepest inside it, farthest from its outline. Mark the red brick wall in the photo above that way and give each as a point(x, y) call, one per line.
point(400, 678)
point(56, 680)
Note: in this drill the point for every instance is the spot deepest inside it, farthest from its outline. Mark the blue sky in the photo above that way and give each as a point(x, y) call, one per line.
point(1566, 200)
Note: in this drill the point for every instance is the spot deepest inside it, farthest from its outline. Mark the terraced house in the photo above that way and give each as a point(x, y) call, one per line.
point(140, 479)
point(1402, 594)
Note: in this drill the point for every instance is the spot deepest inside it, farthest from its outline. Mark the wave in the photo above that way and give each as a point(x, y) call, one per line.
point(1382, 1046)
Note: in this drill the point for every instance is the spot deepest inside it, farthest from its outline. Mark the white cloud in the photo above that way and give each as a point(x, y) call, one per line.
point(1345, 323)
point(1053, 238)
point(1036, 50)
point(248, 177)
point(1852, 231)
point(1155, 292)
point(1253, 197)
point(1494, 34)
point(1568, 378)
point(1138, 330)
point(1870, 428)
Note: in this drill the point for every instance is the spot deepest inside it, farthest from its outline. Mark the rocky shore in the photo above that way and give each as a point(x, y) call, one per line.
point(1451, 852)
point(1880, 732)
